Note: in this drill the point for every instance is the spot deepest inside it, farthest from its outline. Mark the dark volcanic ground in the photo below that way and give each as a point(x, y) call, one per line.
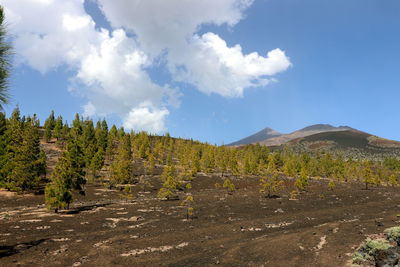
point(322, 228)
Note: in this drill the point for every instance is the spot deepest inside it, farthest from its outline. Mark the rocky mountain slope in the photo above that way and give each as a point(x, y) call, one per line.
point(260, 136)
point(270, 137)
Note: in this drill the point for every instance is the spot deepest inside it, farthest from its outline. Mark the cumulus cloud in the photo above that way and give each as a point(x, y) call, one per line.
point(203, 61)
point(89, 110)
point(115, 75)
point(213, 67)
point(166, 24)
point(146, 117)
point(50, 33)
point(111, 68)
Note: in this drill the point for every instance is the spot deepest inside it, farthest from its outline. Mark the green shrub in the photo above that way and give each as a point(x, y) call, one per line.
point(229, 185)
point(371, 246)
point(393, 234)
point(358, 258)
point(165, 193)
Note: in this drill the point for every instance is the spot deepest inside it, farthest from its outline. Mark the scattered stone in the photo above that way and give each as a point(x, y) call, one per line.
point(101, 243)
point(43, 227)
point(379, 223)
point(278, 225)
point(5, 234)
point(137, 252)
point(61, 250)
point(279, 210)
point(321, 243)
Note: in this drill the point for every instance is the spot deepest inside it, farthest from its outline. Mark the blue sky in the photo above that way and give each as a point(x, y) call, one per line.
point(345, 61)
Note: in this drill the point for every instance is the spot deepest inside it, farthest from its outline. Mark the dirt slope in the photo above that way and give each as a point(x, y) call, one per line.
point(243, 229)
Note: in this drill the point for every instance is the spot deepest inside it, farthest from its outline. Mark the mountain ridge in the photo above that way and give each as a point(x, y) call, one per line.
point(271, 137)
point(259, 136)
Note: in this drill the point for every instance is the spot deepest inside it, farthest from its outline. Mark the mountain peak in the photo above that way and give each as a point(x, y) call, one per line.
point(270, 137)
point(262, 135)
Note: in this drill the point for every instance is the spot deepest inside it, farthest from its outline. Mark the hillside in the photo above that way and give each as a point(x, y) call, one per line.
point(270, 137)
point(307, 131)
point(350, 143)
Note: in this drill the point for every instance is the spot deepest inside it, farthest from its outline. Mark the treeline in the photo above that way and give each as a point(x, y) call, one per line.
point(93, 152)
point(22, 162)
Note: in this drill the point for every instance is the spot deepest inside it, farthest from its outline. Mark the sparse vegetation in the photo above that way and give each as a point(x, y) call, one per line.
point(228, 185)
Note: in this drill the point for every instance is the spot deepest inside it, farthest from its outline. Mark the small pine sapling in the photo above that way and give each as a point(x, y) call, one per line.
point(165, 193)
point(331, 185)
point(229, 186)
point(270, 184)
point(301, 182)
point(188, 202)
point(393, 181)
point(188, 186)
point(294, 194)
point(368, 177)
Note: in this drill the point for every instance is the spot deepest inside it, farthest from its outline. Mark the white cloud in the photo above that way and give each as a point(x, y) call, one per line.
point(203, 61)
point(115, 74)
point(146, 117)
point(213, 67)
point(50, 33)
point(74, 23)
point(111, 68)
point(89, 110)
point(166, 24)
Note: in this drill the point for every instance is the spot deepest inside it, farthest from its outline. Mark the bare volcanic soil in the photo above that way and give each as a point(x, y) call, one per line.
point(321, 228)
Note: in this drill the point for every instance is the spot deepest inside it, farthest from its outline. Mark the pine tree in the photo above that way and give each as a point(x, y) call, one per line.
point(233, 163)
point(392, 180)
point(302, 181)
point(101, 134)
point(25, 162)
point(121, 168)
point(76, 129)
point(368, 175)
point(14, 133)
point(97, 162)
point(222, 160)
point(270, 182)
point(208, 159)
point(171, 183)
point(76, 164)
point(49, 125)
point(58, 128)
point(3, 148)
point(331, 185)
point(65, 132)
point(149, 164)
point(58, 193)
point(88, 141)
point(229, 186)
point(5, 61)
